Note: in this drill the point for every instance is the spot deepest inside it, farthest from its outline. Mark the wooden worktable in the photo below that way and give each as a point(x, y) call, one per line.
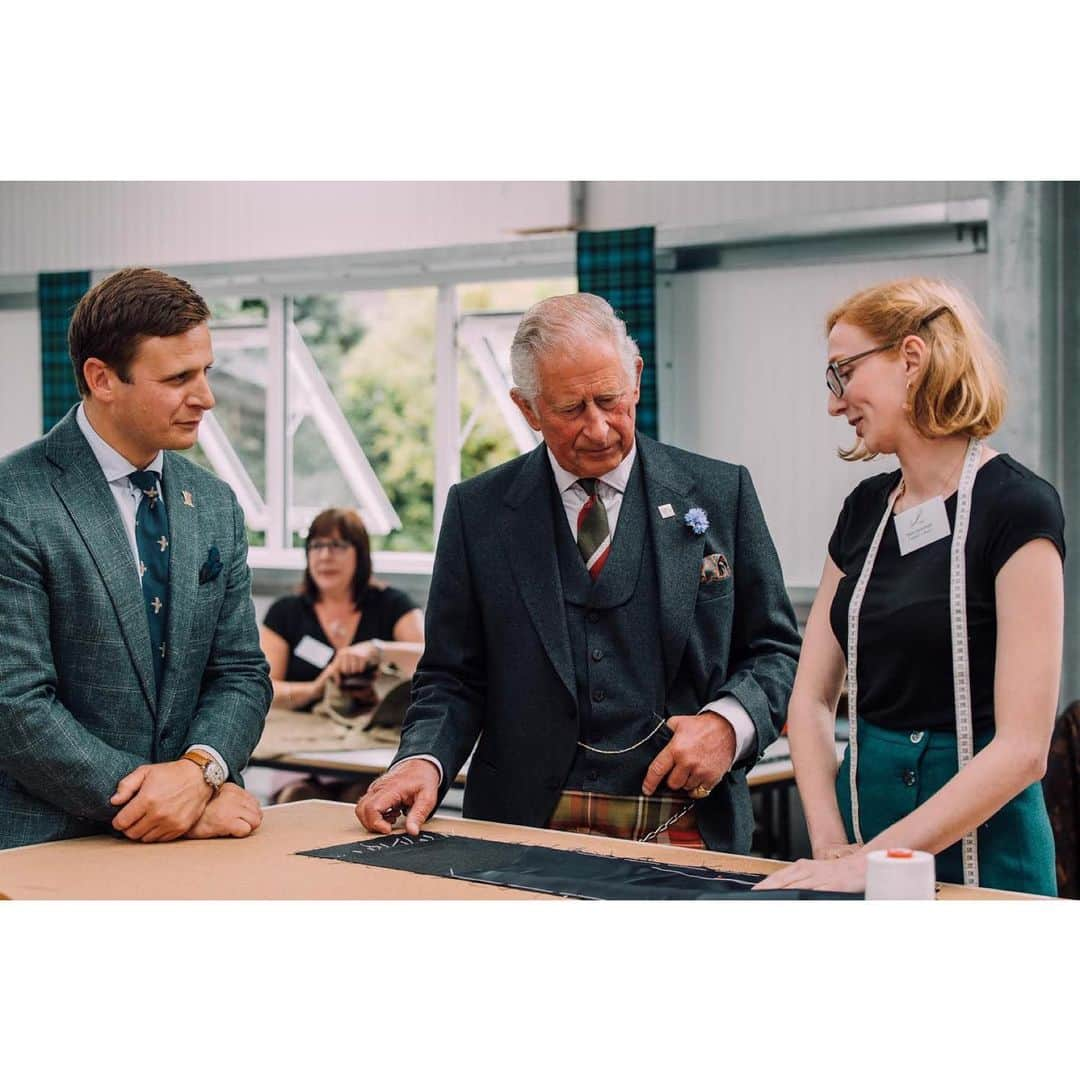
point(265, 867)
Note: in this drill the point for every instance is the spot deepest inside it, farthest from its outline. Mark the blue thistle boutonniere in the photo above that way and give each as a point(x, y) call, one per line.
point(697, 521)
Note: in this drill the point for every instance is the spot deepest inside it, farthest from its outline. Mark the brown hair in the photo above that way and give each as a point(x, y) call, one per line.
point(962, 386)
point(350, 527)
point(117, 314)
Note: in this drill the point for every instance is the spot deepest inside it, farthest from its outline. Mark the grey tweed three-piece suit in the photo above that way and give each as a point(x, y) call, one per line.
point(78, 704)
point(509, 663)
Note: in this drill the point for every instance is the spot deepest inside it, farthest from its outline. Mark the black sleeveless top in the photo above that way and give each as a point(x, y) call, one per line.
point(905, 646)
point(293, 618)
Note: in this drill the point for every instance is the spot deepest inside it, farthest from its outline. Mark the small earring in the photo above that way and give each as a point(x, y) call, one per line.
point(907, 401)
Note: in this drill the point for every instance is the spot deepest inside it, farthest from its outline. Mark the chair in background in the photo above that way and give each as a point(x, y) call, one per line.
point(1061, 789)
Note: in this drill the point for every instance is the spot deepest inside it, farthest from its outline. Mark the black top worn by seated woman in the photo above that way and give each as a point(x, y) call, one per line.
point(905, 673)
point(293, 618)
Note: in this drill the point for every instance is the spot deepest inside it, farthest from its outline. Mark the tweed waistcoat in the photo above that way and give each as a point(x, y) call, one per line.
point(618, 671)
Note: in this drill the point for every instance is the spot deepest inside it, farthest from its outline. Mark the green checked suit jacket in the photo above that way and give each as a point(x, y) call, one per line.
point(78, 707)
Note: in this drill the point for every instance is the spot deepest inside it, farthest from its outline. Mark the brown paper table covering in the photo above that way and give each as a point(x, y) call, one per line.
point(265, 866)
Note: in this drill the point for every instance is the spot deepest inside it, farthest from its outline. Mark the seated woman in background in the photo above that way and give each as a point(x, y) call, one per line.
point(941, 604)
point(342, 623)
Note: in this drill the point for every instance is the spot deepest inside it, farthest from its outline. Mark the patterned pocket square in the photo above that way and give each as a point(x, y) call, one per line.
point(714, 568)
point(212, 567)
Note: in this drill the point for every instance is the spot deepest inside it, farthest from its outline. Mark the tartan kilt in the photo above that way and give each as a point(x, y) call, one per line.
point(627, 817)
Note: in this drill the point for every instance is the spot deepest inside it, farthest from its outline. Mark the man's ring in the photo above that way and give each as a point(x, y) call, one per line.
point(700, 792)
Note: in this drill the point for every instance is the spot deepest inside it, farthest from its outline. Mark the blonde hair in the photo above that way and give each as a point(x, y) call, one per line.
point(961, 389)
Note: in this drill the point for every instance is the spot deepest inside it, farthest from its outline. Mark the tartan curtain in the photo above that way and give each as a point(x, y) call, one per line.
point(620, 266)
point(57, 296)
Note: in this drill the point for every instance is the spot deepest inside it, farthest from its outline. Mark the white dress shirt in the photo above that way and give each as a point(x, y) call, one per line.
point(610, 488)
point(117, 468)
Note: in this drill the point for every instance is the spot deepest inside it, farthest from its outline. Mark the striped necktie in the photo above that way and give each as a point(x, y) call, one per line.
point(593, 537)
point(152, 540)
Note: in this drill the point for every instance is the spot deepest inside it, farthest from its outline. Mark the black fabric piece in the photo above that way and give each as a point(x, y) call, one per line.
point(905, 642)
point(577, 874)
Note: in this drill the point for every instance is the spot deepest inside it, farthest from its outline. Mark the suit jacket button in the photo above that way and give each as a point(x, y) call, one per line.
point(163, 734)
point(598, 654)
point(598, 695)
point(916, 736)
point(908, 776)
point(593, 616)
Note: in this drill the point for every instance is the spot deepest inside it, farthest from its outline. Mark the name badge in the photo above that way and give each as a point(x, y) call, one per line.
point(314, 652)
point(921, 525)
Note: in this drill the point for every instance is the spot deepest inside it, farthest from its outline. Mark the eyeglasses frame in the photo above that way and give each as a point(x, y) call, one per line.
point(833, 378)
point(334, 547)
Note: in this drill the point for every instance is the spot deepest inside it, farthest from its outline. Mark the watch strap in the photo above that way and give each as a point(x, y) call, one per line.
point(211, 770)
point(200, 757)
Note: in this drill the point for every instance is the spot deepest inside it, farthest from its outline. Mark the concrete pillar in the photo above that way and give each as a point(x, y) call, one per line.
point(1034, 315)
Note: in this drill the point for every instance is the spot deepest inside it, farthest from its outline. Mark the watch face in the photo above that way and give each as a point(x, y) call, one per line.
point(214, 774)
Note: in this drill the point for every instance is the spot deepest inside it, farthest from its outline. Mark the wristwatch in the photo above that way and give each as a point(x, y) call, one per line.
point(378, 651)
point(212, 772)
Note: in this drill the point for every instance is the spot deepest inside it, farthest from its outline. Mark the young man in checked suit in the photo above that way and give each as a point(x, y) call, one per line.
point(607, 616)
point(132, 686)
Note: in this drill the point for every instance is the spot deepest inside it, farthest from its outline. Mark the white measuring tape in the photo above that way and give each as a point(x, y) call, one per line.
point(965, 743)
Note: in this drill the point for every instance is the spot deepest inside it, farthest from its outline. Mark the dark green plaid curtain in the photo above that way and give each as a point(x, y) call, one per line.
point(57, 296)
point(620, 266)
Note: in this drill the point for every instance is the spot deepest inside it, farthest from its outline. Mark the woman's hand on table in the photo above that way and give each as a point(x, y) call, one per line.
point(835, 851)
point(843, 873)
point(354, 659)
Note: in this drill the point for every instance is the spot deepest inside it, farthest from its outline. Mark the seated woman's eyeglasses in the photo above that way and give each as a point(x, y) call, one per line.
point(335, 547)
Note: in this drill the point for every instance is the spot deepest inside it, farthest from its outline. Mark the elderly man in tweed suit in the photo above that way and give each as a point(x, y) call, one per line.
point(132, 687)
point(607, 617)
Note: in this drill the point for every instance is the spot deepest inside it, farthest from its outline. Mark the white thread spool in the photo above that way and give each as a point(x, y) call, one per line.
point(899, 874)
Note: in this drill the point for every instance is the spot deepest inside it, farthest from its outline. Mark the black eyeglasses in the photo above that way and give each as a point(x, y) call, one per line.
point(836, 382)
point(335, 547)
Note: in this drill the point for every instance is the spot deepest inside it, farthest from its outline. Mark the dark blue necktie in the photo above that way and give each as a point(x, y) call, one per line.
point(152, 540)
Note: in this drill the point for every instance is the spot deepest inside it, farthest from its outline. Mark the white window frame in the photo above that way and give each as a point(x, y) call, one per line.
point(277, 282)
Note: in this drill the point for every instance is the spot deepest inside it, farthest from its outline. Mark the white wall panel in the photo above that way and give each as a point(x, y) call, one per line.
point(79, 226)
point(747, 376)
point(622, 204)
point(20, 379)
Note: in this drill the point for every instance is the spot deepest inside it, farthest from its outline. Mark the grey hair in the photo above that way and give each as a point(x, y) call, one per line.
point(561, 322)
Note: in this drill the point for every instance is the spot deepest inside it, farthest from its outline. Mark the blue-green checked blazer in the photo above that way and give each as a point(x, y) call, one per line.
point(78, 707)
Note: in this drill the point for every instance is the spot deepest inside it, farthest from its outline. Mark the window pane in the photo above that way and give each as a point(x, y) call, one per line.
point(492, 429)
point(232, 437)
point(362, 407)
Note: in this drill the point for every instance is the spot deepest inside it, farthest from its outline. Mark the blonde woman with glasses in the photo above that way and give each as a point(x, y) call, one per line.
point(940, 612)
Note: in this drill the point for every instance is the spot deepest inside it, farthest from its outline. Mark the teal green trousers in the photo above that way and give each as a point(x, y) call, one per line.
point(900, 770)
